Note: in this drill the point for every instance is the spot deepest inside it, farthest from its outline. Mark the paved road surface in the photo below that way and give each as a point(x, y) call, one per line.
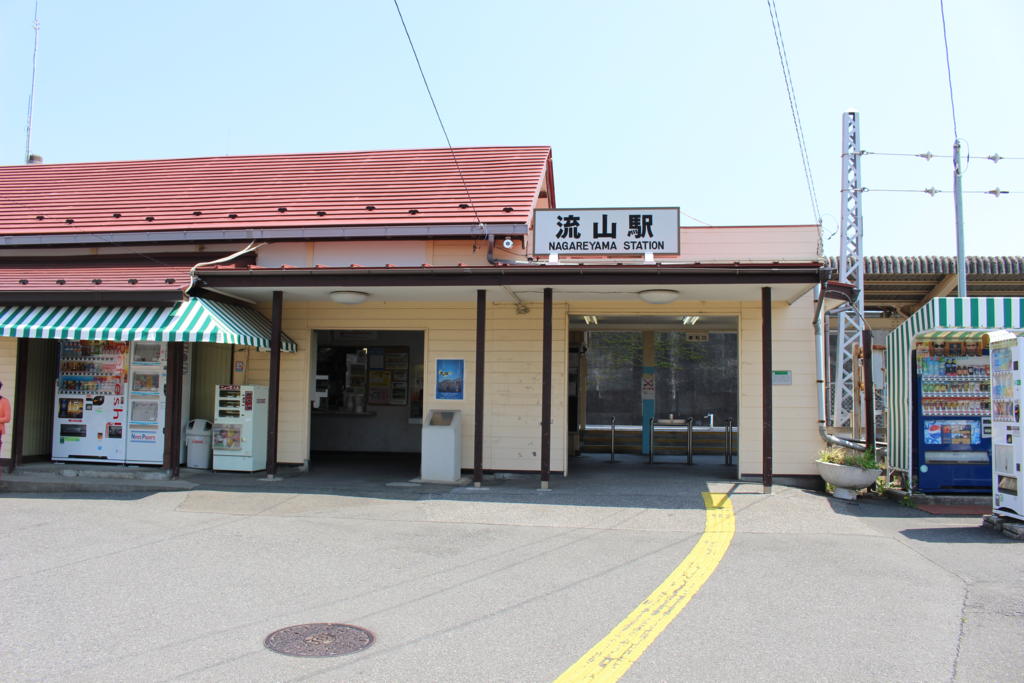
point(505, 583)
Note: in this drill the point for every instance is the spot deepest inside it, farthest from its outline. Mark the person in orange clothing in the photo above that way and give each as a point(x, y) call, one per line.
point(5, 415)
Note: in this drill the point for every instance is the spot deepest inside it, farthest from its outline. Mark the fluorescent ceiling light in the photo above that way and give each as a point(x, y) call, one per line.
point(659, 296)
point(348, 297)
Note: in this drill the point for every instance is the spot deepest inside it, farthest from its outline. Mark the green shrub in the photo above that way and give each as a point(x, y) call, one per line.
point(837, 455)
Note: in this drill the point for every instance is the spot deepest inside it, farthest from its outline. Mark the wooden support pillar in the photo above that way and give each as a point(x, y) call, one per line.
point(15, 429)
point(274, 388)
point(478, 417)
point(545, 400)
point(766, 389)
point(173, 407)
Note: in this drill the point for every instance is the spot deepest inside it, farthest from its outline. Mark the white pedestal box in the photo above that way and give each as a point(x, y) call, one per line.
point(441, 460)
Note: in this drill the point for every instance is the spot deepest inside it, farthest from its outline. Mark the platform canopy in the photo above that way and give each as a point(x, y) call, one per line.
point(194, 320)
point(949, 318)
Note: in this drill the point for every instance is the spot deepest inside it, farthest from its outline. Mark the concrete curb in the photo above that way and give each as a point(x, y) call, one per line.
point(43, 483)
point(916, 499)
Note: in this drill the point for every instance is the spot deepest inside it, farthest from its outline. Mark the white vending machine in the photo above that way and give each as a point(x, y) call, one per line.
point(240, 428)
point(147, 403)
point(1006, 354)
point(89, 402)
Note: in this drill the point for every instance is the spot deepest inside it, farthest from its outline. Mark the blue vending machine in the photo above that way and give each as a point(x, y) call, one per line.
point(953, 417)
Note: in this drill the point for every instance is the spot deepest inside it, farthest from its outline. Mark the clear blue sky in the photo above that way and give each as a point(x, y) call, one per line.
point(671, 103)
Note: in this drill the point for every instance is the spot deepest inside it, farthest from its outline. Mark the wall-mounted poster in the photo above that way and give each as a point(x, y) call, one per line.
point(450, 375)
point(388, 376)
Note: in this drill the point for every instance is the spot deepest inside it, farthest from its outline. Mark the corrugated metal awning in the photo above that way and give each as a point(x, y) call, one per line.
point(195, 320)
point(955, 335)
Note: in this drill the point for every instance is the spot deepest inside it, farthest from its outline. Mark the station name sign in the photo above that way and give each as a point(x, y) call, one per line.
point(606, 231)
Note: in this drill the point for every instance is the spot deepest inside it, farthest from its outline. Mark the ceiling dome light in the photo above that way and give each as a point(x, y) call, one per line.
point(659, 296)
point(348, 297)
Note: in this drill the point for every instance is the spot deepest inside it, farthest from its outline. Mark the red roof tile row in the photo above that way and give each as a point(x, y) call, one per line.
point(141, 277)
point(495, 185)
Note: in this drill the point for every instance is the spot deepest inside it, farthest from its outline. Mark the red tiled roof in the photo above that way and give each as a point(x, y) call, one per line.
point(386, 188)
point(99, 278)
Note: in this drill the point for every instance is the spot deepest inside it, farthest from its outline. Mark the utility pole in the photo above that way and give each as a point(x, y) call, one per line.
point(958, 204)
point(851, 271)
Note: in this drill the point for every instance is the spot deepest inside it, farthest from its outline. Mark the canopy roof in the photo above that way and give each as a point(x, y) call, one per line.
point(195, 320)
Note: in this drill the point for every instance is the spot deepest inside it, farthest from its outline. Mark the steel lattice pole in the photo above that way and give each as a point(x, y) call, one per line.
point(851, 271)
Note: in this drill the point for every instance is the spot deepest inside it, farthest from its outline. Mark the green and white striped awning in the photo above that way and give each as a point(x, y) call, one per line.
point(195, 320)
point(944, 318)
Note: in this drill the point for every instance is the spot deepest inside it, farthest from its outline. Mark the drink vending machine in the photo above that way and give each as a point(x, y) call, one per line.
point(89, 401)
point(240, 428)
point(1007, 356)
point(952, 439)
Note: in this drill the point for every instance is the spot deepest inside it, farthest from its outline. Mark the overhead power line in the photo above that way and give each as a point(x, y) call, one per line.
point(928, 156)
point(995, 192)
point(791, 94)
point(437, 112)
point(949, 72)
point(32, 89)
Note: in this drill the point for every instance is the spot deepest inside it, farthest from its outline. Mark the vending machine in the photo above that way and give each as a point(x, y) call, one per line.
point(147, 403)
point(240, 428)
point(110, 402)
point(1007, 354)
point(952, 402)
point(89, 401)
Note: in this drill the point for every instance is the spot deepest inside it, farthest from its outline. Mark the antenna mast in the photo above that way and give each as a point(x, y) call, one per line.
point(851, 271)
point(32, 91)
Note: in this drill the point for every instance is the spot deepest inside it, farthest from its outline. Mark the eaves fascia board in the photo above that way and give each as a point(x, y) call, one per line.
point(413, 277)
point(270, 234)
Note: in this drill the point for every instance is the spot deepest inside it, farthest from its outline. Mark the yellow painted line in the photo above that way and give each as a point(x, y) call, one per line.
point(620, 649)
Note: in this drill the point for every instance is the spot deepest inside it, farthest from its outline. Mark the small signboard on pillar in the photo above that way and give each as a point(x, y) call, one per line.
point(647, 387)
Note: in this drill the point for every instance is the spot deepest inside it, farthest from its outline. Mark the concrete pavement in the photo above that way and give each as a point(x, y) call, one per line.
point(505, 583)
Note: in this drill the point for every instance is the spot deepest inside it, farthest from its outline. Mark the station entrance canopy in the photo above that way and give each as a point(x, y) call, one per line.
point(195, 320)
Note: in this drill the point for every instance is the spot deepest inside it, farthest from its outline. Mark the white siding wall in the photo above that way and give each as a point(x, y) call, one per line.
point(513, 379)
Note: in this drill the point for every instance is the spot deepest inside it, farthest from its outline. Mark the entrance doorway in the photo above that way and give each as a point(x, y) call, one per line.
point(661, 388)
point(367, 407)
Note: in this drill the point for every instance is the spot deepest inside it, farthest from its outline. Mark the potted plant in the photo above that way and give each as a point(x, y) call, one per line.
point(847, 471)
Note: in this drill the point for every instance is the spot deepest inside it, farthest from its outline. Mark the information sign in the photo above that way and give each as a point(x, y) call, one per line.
point(606, 231)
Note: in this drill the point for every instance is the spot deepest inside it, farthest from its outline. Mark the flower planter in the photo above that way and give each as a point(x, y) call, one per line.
point(846, 479)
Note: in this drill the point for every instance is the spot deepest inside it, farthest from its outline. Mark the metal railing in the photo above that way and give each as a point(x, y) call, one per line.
point(728, 442)
point(613, 440)
point(689, 441)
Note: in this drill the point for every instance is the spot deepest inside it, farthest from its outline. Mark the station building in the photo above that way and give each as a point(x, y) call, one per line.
point(367, 290)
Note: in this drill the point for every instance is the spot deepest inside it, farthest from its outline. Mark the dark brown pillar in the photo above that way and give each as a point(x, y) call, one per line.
point(478, 418)
point(545, 397)
point(766, 388)
point(274, 390)
point(173, 408)
point(17, 423)
point(869, 391)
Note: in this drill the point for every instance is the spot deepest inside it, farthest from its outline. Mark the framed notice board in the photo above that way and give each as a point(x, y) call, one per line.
point(388, 375)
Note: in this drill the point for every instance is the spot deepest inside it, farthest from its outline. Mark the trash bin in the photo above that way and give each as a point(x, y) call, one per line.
point(197, 438)
point(441, 459)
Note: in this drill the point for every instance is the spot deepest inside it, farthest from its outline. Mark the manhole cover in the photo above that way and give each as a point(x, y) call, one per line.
point(319, 640)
